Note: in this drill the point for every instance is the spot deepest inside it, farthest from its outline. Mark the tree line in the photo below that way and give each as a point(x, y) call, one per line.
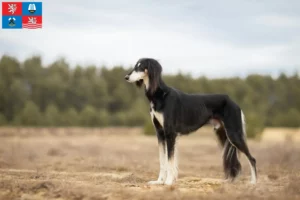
point(60, 95)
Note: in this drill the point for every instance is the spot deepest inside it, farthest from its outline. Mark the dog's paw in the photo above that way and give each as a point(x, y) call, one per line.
point(169, 181)
point(228, 180)
point(155, 183)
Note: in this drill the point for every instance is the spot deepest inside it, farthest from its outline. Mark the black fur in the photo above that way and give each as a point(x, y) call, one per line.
point(185, 113)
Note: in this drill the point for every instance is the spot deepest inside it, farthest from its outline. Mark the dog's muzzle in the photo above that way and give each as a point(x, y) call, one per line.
point(127, 77)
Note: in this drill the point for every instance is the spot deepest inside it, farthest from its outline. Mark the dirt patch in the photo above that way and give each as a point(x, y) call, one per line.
point(118, 166)
point(279, 135)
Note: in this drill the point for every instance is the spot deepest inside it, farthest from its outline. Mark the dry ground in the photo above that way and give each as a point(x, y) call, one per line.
point(117, 164)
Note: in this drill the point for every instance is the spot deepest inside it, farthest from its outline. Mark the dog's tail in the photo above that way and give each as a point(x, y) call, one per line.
point(231, 163)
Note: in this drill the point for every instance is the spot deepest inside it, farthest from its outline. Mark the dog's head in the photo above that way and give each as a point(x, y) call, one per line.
point(146, 71)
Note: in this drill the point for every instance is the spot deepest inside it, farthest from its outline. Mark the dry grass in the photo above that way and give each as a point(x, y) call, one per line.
point(117, 163)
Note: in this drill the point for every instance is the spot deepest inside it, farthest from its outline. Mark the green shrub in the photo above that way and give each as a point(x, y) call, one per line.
point(289, 118)
point(52, 116)
point(103, 118)
point(71, 117)
point(149, 128)
point(119, 119)
point(254, 125)
point(30, 115)
point(3, 120)
point(89, 117)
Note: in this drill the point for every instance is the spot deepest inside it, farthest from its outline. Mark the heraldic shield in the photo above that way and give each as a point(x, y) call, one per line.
point(19, 15)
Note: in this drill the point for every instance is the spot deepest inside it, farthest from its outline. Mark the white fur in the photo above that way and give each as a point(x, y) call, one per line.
point(216, 124)
point(159, 116)
point(135, 76)
point(172, 169)
point(253, 174)
point(163, 158)
point(151, 114)
point(244, 124)
point(176, 161)
point(168, 168)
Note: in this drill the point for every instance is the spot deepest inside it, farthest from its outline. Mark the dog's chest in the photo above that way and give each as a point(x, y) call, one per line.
point(158, 115)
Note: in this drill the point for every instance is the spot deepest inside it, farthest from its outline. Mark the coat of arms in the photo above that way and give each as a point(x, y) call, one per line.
point(31, 8)
point(12, 22)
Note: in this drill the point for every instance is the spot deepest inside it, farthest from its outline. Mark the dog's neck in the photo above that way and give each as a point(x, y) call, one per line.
point(159, 92)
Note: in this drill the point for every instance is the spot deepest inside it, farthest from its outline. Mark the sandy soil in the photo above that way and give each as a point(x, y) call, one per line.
point(117, 164)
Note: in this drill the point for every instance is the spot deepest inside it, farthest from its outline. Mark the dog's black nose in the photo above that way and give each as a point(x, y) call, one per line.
point(126, 77)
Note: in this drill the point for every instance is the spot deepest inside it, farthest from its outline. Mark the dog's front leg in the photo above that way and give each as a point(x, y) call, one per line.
point(162, 161)
point(162, 147)
point(172, 165)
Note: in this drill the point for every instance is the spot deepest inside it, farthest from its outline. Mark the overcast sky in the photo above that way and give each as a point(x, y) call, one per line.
point(200, 37)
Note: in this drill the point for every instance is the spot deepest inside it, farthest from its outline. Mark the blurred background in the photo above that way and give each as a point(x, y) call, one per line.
point(58, 94)
point(73, 128)
point(70, 72)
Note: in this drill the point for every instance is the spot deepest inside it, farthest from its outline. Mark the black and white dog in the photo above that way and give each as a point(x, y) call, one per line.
point(176, 113)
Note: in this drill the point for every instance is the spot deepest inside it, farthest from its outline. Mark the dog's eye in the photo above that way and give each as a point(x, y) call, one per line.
point(140, 68)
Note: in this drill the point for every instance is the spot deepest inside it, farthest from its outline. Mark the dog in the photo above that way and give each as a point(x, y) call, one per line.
point(175, 113)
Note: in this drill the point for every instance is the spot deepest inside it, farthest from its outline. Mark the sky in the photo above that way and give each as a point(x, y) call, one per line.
point(215, 38)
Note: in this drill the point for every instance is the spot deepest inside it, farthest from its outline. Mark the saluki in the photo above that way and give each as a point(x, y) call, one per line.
point(174, 113)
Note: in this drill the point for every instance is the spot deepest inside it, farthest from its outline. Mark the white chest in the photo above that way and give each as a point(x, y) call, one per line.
point(159, 116)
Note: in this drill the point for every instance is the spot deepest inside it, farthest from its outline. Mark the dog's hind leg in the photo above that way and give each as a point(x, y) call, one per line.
point(231, 164)
point(241, 144)
point(162, 147)
point(251, 160)
point(221, 134)
point(236, 135)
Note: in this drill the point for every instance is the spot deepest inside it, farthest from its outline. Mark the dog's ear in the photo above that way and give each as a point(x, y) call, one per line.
point(154, 73)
